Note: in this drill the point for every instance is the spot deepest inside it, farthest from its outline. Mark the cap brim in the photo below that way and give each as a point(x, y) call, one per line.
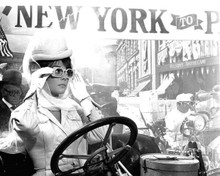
point(62, 55)
point(23, 88)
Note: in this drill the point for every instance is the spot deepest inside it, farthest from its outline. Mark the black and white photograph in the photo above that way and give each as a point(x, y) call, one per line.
point(109, 88)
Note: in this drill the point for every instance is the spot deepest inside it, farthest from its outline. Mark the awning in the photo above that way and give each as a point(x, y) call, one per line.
point(162, 88)
point(139, 88)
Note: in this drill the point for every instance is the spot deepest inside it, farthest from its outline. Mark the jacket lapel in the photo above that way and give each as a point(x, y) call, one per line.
point(52, 119)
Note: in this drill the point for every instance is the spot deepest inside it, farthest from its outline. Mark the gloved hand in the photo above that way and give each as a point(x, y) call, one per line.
point(38, 79)
point(185, 121)
point(78, 87)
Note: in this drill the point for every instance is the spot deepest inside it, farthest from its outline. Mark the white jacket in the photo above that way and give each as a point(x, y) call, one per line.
point(42, 133)
point(174, 120)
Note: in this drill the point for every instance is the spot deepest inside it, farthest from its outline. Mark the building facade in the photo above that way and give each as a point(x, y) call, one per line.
point(134, 65)
point(169, 67)
point(193, 65)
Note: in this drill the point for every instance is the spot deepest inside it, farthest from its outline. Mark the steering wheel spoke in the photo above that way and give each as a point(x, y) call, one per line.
point(74, 156)
point(118, 150)
point(108, 133)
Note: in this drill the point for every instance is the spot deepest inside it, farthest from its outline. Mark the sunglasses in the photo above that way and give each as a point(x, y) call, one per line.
point(59, 72)
point(189, 103)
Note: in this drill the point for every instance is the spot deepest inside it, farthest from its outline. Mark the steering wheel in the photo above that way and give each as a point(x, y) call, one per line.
point(104, 157)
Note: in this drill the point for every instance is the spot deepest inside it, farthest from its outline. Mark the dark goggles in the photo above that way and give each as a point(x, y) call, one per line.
point(59, 72)
point(189, 103)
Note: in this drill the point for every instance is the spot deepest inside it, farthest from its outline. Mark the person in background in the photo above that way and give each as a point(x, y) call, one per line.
point(12, 91)
point(110, 110)
point(209, 101)
point(215, 107)
point(107, 103)
point(211, 104)
point(48, 114)
point(175, 118)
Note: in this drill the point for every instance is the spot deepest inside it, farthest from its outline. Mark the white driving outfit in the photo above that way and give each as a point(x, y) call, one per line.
point(174, 120)
point(41, 132)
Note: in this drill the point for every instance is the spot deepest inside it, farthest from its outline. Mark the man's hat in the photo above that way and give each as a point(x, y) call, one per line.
point(11, 76)
point(216, 92)
point(216, 88)
point(184, 97)
point(14, 77)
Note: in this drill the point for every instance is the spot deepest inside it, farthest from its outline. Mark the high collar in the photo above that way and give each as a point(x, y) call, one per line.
point(7, 103)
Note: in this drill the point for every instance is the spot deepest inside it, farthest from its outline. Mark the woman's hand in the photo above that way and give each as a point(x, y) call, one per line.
point(38, 76)
point(38, 79)
point(78, 87)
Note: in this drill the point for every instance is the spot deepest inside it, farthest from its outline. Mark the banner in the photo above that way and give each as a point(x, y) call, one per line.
point(135, 19)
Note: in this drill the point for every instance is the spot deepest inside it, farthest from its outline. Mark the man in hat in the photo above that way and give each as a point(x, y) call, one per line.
point(12, 92)
point(13, 159)
point(175, 118)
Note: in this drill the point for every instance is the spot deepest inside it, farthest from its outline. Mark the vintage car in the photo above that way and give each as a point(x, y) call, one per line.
point(123, 150)
point(121, 153)
point(128, 153)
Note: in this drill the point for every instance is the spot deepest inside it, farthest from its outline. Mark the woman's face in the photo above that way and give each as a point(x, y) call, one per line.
point(58, 85)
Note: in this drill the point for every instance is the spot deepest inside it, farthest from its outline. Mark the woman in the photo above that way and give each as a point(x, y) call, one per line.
point(48, 114)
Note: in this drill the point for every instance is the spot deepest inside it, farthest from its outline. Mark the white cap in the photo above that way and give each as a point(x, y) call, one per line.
point(184, 97)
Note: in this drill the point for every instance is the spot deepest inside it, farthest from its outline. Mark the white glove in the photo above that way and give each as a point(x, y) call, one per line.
point(78, 87)
point(38, 79)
